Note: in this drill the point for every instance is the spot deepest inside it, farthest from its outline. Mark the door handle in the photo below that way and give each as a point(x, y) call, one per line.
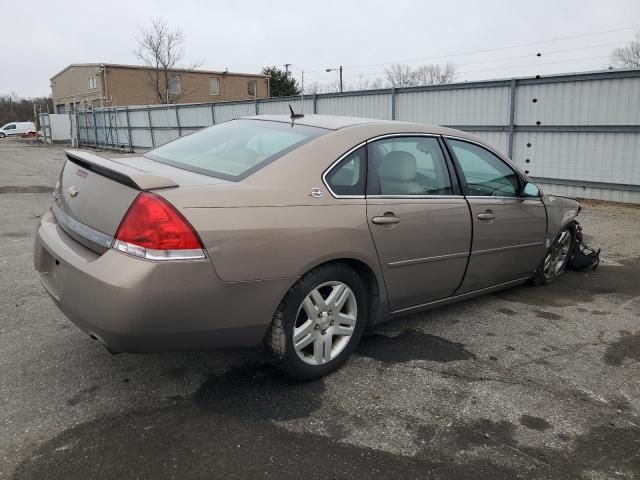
point(387, 219)
point(488, 215)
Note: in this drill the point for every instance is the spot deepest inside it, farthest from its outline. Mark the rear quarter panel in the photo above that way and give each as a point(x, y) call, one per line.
point(259, 243)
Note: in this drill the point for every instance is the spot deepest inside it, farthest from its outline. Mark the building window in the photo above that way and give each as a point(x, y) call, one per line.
point(251, 88)
point(92, 83)
point(174, 85)
point(214, 86)
point(61, 108)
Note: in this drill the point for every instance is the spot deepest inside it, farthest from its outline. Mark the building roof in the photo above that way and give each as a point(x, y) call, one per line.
point(142, 67)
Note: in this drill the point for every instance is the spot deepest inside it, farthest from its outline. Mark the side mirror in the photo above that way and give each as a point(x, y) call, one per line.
point(531, 190)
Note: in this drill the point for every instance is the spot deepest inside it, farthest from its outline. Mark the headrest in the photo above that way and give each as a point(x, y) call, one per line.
point(399, 166)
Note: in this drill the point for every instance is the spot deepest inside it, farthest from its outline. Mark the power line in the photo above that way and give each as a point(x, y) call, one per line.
point(552, 52)
point(511, 66)
point(536, 64)
point(475, 52)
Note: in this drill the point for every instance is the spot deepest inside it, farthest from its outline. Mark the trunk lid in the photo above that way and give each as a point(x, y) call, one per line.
point(94, 193)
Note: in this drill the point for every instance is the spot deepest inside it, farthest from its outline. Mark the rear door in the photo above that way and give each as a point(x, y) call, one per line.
point(419, 220)
point(508, 229)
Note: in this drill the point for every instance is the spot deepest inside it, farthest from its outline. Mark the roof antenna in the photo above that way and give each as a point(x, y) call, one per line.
point(295, 115)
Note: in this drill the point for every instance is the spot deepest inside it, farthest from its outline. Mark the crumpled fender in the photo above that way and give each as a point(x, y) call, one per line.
point(560, 212)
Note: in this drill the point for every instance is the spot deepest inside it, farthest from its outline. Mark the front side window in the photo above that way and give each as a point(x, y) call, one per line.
point(348, 177)
point(408, 166)
point(485, 173)
point(251, 88)
point(174, 85)
point(236, 149)
point(214, 86)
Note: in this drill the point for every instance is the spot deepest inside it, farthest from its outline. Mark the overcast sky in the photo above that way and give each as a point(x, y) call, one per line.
point(42, 37)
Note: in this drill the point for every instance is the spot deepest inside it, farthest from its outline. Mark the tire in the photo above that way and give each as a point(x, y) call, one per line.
point(555, 260)
point(2, 135)
point(325, 338)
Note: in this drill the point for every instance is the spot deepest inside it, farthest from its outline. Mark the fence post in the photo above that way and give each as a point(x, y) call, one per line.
point(77, 129)
point(105, 118)
point(126, 111)
point(213, 113)
point(393, 103)
point(256, 105)
point(315, 103)
point(512, 117)
point(85, 119)
point(175, 107)
point(95, 125)
point(153, 142)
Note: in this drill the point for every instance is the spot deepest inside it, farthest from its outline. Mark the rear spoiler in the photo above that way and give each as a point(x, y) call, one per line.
point(119, 172)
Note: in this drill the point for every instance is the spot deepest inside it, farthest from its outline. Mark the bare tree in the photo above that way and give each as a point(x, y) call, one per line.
point(360, 84)
point(162, 50)
point(628, 56)
point(435, 74)
point(312, 88)
point(399, 75)
point(377, 84)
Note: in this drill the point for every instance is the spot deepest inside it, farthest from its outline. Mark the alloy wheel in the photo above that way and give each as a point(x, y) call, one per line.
point(325, 322)
point(556, 259)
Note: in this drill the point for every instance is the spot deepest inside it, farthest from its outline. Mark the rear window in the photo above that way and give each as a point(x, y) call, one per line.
point(236, 149)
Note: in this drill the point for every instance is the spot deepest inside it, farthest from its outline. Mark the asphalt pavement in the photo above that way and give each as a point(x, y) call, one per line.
point(525, 383)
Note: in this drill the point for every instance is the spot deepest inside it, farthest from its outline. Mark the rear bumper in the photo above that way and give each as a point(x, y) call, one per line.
point(136, 305)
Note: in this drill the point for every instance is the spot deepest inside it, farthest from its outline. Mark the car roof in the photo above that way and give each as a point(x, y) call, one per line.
point(337, 122)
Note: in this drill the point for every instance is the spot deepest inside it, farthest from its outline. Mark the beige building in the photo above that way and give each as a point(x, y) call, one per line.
point(101, 84)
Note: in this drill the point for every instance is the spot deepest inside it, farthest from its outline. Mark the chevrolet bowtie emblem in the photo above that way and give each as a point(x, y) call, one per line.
point(73, 191)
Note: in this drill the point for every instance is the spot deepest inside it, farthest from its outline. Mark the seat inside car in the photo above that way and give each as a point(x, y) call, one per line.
point(397, 172)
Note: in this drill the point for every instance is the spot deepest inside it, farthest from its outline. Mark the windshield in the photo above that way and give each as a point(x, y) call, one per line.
point(236, 149)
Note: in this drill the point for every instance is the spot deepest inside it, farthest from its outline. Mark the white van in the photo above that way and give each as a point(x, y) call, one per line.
point(17, 128)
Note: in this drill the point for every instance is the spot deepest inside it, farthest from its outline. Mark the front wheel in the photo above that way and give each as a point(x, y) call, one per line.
point(319, 323)
point(556, 259)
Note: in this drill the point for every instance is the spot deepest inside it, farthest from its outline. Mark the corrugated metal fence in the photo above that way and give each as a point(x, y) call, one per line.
point(575, 134)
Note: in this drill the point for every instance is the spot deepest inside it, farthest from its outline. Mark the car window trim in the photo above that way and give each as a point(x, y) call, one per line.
point(465, 187)
point(423, 197)
point(337, 162)
point(456, 188)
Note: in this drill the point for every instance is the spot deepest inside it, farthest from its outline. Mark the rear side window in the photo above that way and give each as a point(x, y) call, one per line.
point(348, 177)
point(408, 166)
point(236, 149)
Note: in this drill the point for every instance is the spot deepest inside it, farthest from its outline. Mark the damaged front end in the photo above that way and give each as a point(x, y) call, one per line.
point(582, 256)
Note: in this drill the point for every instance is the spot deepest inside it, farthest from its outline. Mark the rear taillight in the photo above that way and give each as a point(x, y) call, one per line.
point(154, 230)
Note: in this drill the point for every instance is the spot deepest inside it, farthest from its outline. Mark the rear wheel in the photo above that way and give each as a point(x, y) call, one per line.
point(556, 259)
point(2, 135)
point(319, 323)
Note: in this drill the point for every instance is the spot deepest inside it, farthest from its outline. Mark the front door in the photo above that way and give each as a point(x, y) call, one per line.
point(420, 224)
point(508, 230)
